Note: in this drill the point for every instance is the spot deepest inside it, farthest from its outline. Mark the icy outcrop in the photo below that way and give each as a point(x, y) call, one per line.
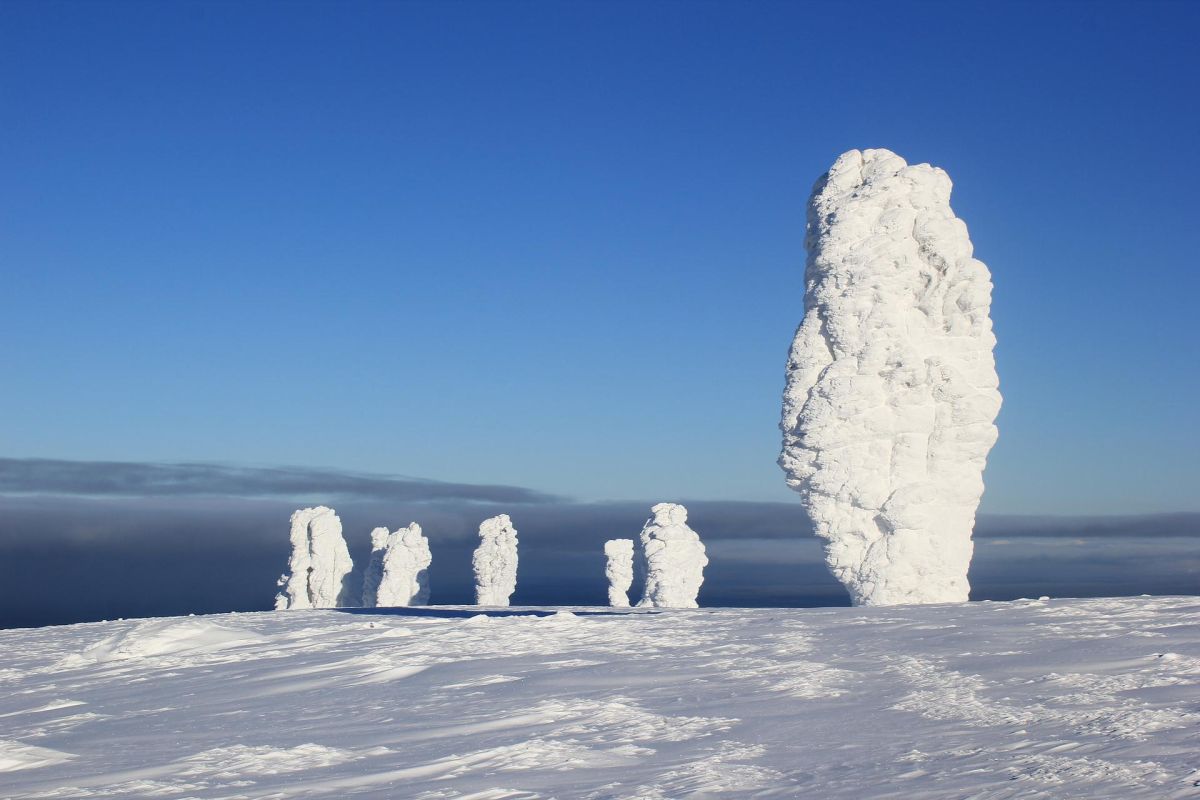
point(618, 568)
point(398, 572)
point(674, 559)
point(319, 563)
point(891, 385)
point(495, 562)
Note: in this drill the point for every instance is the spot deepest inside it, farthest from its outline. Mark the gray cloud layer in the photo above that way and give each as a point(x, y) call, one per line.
point(128, 479)
point(87, 540)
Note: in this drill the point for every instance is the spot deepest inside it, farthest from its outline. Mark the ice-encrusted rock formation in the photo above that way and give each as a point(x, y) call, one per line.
point(891, 385)
point(398, 572)
point(674, 559)
point(618, 568)
point(319, 562)
point(495, 562)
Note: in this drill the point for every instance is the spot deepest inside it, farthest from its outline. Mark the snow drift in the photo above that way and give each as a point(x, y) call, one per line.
point(891, 385)
point(319, 563)
point(495, 562)
point(618, 568)
point(674, 559)
point(398, 572)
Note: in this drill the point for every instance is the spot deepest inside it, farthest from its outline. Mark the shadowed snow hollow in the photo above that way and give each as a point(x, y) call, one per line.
point(891, 385)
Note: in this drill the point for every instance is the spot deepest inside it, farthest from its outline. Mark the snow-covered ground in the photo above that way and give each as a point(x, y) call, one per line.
point(1047, 699)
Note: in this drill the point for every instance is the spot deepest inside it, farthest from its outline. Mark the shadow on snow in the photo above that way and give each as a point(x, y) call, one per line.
point(467, 612)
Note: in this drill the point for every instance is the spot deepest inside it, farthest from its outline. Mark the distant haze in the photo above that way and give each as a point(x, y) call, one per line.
point(79, 544)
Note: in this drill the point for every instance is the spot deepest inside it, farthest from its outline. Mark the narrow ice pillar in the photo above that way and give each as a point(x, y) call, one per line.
point(674, 559)
point(891, 386)
point(495, 562)
point(618, 568)
point(398, 572)
point(374, 571)
point(319, 563)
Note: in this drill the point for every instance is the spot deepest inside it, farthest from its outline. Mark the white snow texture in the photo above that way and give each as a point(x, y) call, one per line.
point(319, 563)
point(674, 559)
point(618, 568)
point(891, 385)
point(398, 572)
point(495, 562)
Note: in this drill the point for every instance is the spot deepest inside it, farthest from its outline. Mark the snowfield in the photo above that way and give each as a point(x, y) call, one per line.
point(1030, 699)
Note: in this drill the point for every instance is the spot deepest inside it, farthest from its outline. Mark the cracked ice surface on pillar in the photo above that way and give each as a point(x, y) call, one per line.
point(674, 559)
point(495, 562)
point(319, 562)
point(891, 386)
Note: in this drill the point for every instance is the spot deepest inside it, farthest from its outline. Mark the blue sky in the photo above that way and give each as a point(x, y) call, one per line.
point(559, 245)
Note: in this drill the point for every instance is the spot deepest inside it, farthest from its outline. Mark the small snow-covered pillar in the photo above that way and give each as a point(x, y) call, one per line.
point(398, 573)
point(618, 568)
point(495, 562)
point(674, 559)
point(319, 563)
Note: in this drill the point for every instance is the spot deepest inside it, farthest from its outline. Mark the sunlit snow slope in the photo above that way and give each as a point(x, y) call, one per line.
point(1052, 699)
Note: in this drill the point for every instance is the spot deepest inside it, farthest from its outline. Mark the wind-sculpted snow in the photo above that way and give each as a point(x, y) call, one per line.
point(891, 384)
point(674, 559)
point(398, 571)
point(1046, 700)
point(319, 563)
point(618, 568)
point(495, 562)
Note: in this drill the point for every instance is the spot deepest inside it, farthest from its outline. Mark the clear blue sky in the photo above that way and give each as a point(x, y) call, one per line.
point(559, 245)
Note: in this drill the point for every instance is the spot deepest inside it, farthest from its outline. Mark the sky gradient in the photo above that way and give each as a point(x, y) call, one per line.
point(560, 245)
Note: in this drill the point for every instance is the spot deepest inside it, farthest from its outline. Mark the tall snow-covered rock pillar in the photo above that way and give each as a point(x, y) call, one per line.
point(495, 562)
point(398, 572)
point(674, 559)
point(891, 387)
point(319, 563)
point(618, 568)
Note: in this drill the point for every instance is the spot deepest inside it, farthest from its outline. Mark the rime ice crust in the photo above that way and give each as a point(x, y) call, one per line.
point(319, 563)
point(891, 384)
point(618, 568)
point(495, 562)
point(674, 559)
point(398, 572)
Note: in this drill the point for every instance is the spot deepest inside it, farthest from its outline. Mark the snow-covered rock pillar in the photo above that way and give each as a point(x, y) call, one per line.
point(398, 572)
point(618, 568)
point(319, 563)
point(374, 570)
point(891, 385)
point(495, 562)
point(674, 559)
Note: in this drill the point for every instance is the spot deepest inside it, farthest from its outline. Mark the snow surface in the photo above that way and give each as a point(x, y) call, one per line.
point(398, 571)
point(319, 563)
point(891, 385)
point(495, 561)
point(673, 559)
point(1030, 699)
point(618, 568)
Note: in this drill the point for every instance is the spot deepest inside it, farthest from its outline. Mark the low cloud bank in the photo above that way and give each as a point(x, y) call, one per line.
point(76, 554)
point(127, 479)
